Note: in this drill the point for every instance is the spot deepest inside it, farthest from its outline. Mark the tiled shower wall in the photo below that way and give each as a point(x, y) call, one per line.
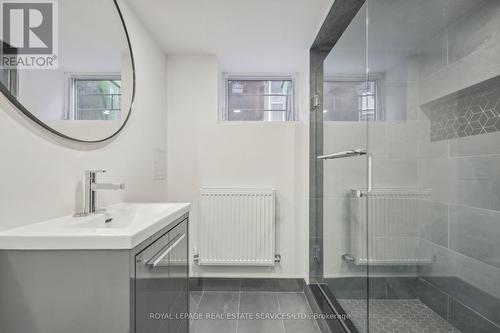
point(459, 159)
point(462, 227)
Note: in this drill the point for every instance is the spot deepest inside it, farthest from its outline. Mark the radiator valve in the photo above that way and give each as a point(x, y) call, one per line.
point(196, 254)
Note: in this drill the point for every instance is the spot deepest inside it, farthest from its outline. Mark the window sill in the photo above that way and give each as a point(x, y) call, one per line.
point(255, 122)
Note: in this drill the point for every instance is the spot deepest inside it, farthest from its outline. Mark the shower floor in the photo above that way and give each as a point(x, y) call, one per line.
point(398, 316)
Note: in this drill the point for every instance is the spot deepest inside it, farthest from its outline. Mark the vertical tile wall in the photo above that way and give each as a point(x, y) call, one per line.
point(461, 164)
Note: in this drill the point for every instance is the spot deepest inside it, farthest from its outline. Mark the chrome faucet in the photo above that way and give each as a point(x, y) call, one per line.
point(90, 189)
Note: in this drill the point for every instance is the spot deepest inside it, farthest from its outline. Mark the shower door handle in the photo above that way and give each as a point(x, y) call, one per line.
point(343, 154)
point(352, 153)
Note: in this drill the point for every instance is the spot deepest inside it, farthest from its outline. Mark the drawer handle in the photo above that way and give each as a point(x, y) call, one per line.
point(155, 261)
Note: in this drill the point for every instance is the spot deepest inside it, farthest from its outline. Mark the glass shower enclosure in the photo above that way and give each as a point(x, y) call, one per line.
point(405, 165)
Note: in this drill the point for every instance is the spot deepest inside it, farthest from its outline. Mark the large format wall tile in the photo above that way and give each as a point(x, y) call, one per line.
point(476, 233)
point(468, 321)
point(486, 144)
point(469, 181)
point(433, 298)
point(398, 173)
point(474, 298)
point(402, 140)
point(453, 264)
point(467, 308)
point(434, 226)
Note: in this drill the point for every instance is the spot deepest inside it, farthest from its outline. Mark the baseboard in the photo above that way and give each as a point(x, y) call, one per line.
point(242, 275)
point(246, 284)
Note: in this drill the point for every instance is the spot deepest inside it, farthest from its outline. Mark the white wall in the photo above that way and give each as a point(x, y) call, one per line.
point(43, 93)
point(42, 174)
point(205, 153)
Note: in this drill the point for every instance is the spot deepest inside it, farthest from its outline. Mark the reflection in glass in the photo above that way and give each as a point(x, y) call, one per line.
point(351, 99)
point(96, 99)
point(87, 93)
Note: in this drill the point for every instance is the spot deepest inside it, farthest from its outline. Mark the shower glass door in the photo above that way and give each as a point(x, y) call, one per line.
point(350, 101)
point(409, 171)
point(433, 215)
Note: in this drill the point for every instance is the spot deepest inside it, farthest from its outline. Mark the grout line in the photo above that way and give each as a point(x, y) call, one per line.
point(477, 261)
point(192, 321)
point(447, 307)
point(453, 157)
point(279, 310)
point(449, 226)
point(473, 207)
point(238, 311)
point(473, 311)
point(273, 292)
point(448, 148)
point(447, 31)
point(221, 291)
point(199, 303)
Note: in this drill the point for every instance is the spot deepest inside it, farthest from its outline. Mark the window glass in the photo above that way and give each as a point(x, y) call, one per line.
point(259, 99)
point(96, 99)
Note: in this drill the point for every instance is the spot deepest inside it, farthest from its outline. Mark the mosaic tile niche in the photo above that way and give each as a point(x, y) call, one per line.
point(472, 111)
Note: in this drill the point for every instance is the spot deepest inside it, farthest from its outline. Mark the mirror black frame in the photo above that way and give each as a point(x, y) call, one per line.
point(33, 118)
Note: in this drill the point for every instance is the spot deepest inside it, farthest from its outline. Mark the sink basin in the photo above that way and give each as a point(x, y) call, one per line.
point(120, 216)
point(128, 225)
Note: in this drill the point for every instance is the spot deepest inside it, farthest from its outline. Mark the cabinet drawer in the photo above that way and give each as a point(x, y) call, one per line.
point(160, 248)
point(161, 282)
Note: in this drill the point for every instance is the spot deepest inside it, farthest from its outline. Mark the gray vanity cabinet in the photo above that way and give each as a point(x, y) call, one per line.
point(161, 284)
point(141, 290)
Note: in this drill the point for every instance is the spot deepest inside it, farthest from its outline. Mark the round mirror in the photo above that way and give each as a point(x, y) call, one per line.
point(68, 66)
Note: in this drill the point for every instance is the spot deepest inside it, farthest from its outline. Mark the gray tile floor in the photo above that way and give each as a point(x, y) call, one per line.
point(254, 303)
point(396, 316)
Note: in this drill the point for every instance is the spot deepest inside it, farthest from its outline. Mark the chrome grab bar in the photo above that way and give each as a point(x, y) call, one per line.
point(343, 154)
point(156, 260)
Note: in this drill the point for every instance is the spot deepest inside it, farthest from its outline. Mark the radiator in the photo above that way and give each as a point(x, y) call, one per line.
point(384, 226)
point(236, 227)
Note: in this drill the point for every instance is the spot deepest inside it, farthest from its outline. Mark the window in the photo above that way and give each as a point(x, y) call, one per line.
point(258, 98)
point(10, 79)
point(352, 99)
point(94, 97)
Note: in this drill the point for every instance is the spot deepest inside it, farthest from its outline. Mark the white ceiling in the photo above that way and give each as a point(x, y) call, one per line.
point(245, 35)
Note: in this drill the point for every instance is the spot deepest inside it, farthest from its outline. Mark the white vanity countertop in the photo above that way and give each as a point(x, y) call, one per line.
point(131, 224)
